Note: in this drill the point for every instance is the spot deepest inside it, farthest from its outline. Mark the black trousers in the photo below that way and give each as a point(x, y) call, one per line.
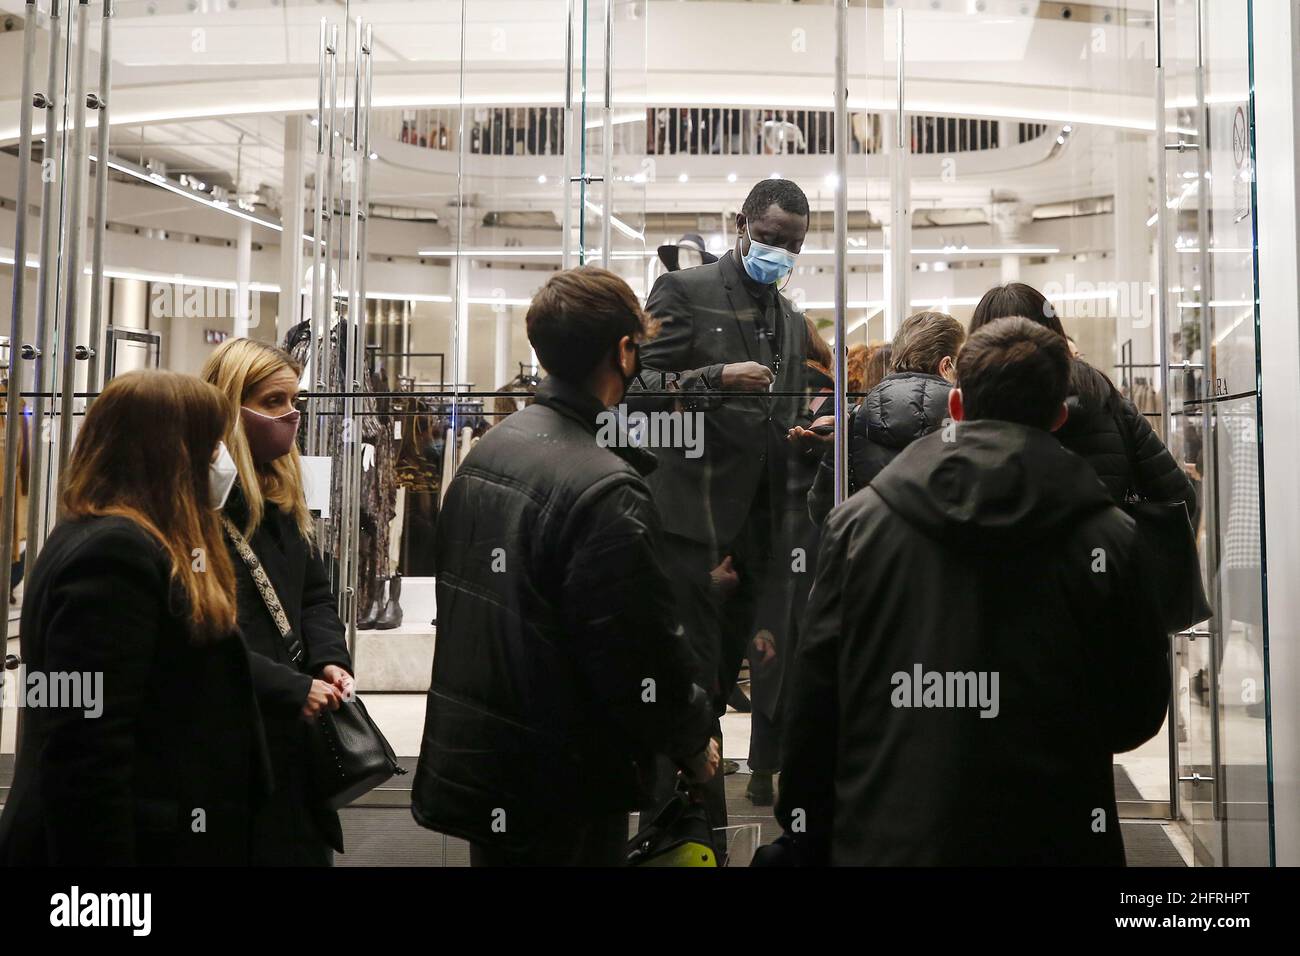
point(601, 841)
point(719, 629)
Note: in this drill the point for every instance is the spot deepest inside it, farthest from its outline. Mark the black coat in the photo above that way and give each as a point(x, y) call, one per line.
point(294, 828)
point(178, 745)
point(900, 409)
point(710, 319)
point(1107, 430)
point(558, 667)
point(997, 552)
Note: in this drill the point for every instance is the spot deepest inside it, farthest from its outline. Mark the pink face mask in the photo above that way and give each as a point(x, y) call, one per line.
point(269, 438)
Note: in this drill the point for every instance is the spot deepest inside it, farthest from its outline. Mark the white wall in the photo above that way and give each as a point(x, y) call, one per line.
point(1277, 109)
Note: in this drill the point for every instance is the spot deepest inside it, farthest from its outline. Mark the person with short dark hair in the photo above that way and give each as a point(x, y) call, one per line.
point(979, 641)
point(1104, 427)
point(726, 328)
point(560, 670)
point(911, 401)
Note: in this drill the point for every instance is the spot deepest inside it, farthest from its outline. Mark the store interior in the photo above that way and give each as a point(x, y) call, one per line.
point(409, 173)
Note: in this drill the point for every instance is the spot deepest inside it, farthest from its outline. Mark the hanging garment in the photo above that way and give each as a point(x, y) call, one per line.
point(448, 462)
point(19, 504)
point(525, 383)
point(378, 495)
point(419, 454)
point(365, 428)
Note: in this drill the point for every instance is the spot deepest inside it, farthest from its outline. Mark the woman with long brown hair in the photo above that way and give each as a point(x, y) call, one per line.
point(154, 754)
point(267, 516)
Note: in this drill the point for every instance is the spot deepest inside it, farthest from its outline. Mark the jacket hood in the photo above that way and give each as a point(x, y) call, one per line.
point(905, 406)
point(991, 485)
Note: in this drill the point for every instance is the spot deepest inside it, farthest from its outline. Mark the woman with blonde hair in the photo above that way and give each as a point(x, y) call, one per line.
point(300, 674)
point(160, 756)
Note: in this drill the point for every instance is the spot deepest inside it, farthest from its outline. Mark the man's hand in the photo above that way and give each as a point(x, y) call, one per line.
point(340, 679)
point(809, 440)
point(724, 578)
point(746, 376)
point(320, 698)
point(704, 765)
point(764, 647)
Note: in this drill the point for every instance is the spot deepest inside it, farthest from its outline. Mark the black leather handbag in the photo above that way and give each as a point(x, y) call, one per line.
point(349, 756)
point(1167, 549)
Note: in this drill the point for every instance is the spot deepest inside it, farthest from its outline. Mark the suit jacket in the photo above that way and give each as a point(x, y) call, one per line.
point(710, 319)
point(173, 767)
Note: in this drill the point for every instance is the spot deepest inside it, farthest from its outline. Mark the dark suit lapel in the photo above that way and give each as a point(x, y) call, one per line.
point(741, 305)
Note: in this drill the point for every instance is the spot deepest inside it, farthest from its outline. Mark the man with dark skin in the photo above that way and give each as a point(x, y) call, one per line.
point(729, 346)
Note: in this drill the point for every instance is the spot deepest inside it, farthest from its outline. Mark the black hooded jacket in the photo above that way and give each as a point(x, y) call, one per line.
point(902, 408)
point(994, 553)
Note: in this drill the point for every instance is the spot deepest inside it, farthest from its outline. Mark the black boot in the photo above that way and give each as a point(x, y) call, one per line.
point(368, 618)
point(391, 616)
point(760, 791)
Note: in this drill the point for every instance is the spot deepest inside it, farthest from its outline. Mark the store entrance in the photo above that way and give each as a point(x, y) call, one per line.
point(1210, 334)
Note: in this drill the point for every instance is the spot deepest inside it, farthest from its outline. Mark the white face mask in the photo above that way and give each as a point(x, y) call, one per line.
point(221, 477)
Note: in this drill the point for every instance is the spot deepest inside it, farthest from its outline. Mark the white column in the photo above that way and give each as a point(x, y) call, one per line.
point(292, 210)
point(1009, 219)
point(1133, 273)
point(243, 275)
point(460, 360)
point(502, 370)
point(898, 241)
point(1278, 213)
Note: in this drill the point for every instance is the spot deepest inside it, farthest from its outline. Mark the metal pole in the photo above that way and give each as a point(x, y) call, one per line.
point(93, 383)
point(1207, 391)
point(1162, 371)
point(13, 401)
point(317, 325)
point(841, 244)
point(348, 334)
point(900, 252)
point(78, 167)
point(569, 134)
point(607, 173)
point(361, 148)
point(46, 289)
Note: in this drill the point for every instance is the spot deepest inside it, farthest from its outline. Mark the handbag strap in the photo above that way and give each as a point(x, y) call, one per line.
point(265, 588)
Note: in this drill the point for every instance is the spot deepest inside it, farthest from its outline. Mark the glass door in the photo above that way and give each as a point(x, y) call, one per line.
point(1209, 302)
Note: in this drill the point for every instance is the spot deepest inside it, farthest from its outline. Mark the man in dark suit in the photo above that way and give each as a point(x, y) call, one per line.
point(731, 344)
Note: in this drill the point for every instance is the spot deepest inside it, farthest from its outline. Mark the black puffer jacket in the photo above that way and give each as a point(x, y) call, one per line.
point(898, 411)
point(1107, 431)
point(559, 667)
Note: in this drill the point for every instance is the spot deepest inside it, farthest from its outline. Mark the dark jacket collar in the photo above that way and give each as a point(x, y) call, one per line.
point(734, 274)
point(584, 408)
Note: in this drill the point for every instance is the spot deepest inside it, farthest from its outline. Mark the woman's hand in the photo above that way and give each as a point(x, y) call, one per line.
point(340, 679)
point(320, 698)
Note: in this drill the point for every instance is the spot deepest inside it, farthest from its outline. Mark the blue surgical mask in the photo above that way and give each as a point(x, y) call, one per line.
point(767, 264)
